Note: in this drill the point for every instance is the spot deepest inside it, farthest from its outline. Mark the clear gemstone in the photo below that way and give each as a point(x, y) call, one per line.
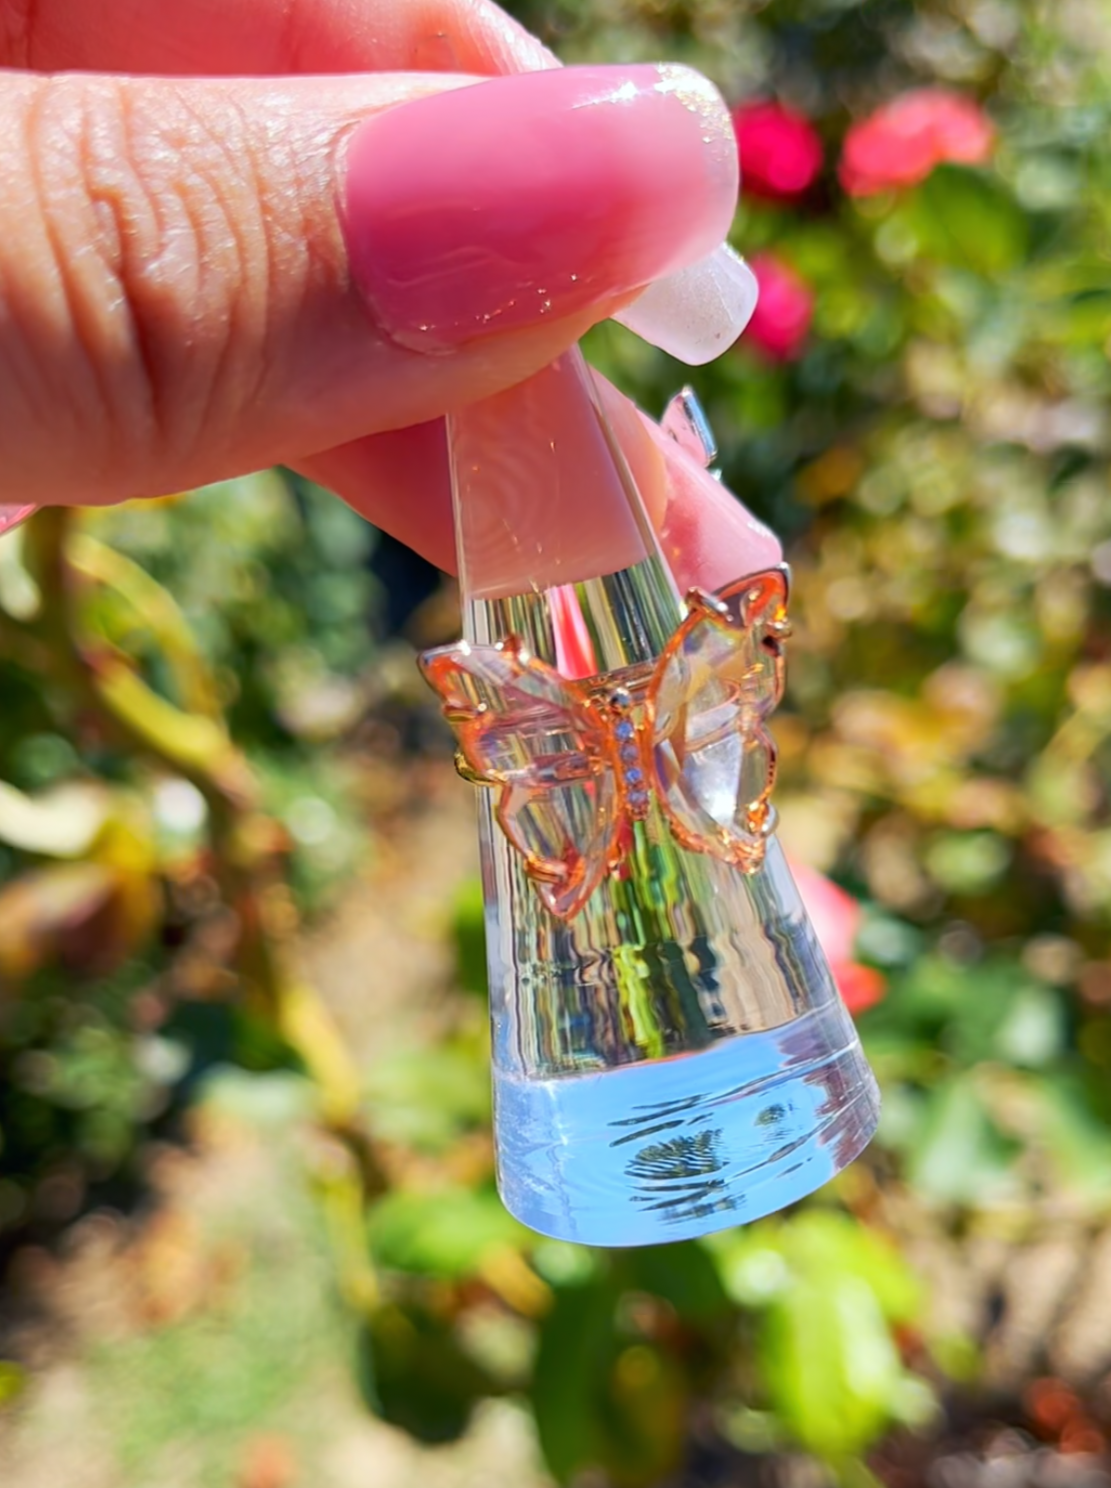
point(713, 758)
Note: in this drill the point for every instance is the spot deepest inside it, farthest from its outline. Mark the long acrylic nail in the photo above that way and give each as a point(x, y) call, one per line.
point(707, 536)
point(698, 312)
point(540, 498)
point(497, 206)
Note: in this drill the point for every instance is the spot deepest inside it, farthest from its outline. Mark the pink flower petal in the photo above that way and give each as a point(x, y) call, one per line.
point(780, 323)
point(902, 142)
point(781, 152)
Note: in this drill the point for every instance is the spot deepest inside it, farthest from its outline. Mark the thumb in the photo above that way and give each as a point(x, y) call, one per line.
point(202, 277)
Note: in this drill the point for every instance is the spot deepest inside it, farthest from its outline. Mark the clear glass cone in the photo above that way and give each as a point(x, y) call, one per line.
point(674, 1058)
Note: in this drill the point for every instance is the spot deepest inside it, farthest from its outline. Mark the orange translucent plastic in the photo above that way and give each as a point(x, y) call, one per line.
point(576, 760)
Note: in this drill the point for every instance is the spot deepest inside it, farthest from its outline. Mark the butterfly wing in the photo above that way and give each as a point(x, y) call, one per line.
point(527, 730)
point(716, 682)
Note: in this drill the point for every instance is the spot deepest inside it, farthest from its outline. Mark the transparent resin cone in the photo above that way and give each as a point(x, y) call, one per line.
point(670, 1054)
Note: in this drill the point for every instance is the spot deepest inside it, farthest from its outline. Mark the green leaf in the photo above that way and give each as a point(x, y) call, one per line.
point(267, 1100)
point(561, 1263)
point(604, 1398)
point(753, 1266)
point(1077, 1140)
point(449, 1232)
point(825, 1290)
point(764, 1261)
point(1033, 1032)
point(963, 1157)
point(962, 1011)
point(468, 930)
point(1081, 319)
point(427, 1098)
point(683, 1275)
point(822, 1242)
point(969, 218)
point(412, 1372)
point(828, 1363)
point(578, 1346)
point(967, 862)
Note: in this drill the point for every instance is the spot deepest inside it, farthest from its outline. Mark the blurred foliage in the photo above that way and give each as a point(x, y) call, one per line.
point(149, 865)
point(185, 685)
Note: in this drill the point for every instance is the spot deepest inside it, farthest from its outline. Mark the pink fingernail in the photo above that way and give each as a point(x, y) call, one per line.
point(531, 197)
point(540, 500)
point(707, 536)
point(11, 516)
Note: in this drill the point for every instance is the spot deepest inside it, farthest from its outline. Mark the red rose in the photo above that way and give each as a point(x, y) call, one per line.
point(901, 142)
point(836, 918)
point(781, 153)
point(781, 321)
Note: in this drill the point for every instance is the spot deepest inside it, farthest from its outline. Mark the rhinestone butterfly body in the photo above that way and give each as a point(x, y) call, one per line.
point(576, 762)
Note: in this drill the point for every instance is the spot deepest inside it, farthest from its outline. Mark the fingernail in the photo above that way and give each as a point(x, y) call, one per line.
point(539, 498)
point(493, 207)
point(11, 516)
point(698, 312)
point(707, 536)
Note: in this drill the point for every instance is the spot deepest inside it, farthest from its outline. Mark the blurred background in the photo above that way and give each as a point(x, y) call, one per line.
point(248, 1232)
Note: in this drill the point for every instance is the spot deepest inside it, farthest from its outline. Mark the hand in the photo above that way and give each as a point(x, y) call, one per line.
point(205, 275)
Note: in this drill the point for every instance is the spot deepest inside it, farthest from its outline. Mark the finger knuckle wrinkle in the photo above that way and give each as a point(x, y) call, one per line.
point(153, 222)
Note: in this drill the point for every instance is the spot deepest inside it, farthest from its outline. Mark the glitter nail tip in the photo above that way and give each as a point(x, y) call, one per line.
point(698, 312)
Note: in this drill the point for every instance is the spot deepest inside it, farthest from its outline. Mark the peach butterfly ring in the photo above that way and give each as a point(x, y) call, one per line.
point(576, 763)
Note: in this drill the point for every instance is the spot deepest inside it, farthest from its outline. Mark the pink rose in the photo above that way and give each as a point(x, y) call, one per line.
point(903, 141)
point(781, 321)
point(836, 918)
point(781, 153)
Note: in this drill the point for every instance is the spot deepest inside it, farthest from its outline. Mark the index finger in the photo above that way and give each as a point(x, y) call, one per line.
point(263, 37)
